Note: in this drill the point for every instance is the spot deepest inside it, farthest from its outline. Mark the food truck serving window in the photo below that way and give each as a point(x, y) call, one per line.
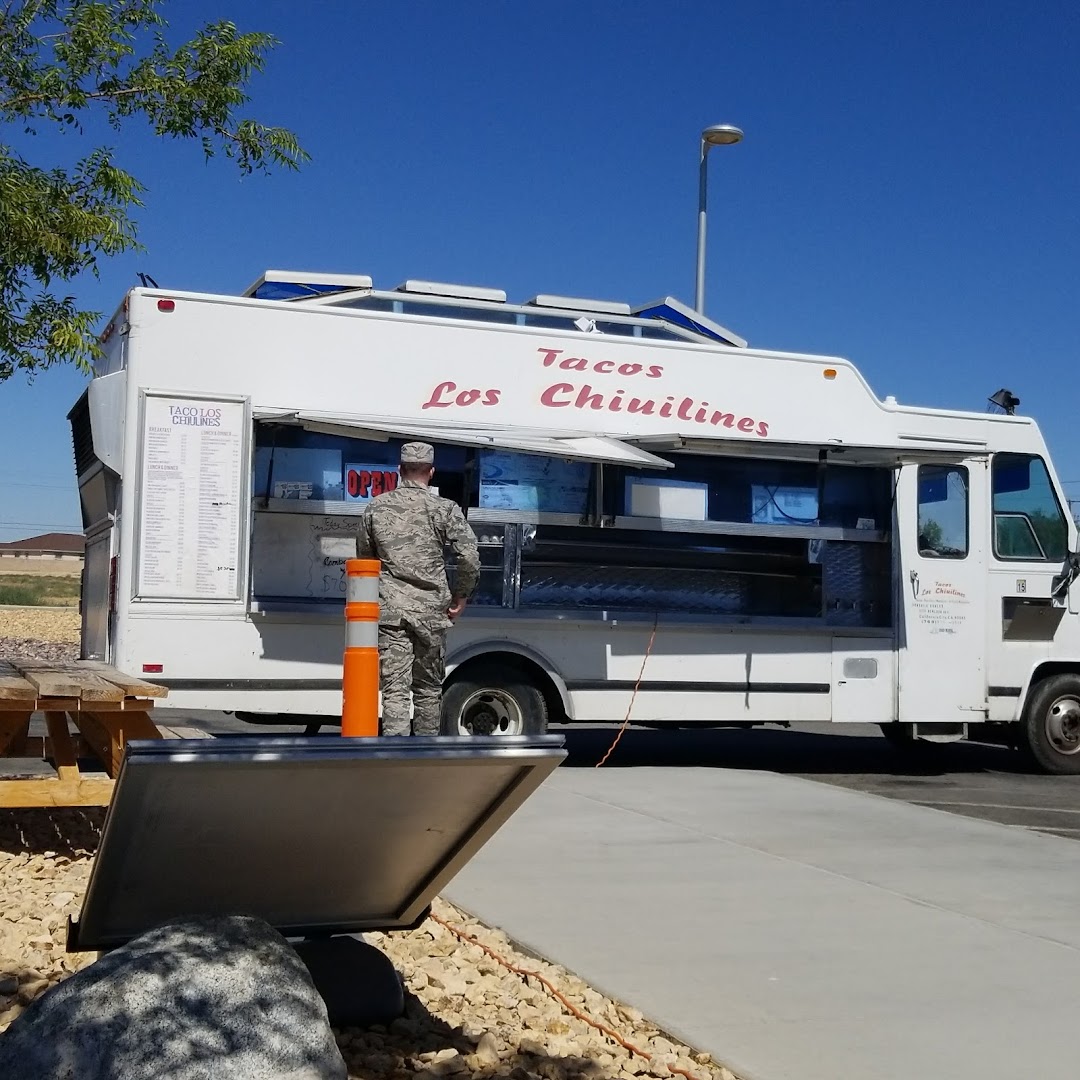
point(294, 463)
point(308, 488)
point(755, 492)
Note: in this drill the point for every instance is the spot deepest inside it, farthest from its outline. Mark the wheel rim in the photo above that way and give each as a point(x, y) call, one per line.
point(490, 712)
point(1063, 725)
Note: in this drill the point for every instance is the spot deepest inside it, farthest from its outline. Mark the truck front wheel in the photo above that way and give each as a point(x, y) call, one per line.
point(1051, 724)
point(490, 700)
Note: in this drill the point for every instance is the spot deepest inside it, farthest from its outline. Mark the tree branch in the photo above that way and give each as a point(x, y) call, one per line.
point(29, 99)
point(26, 4)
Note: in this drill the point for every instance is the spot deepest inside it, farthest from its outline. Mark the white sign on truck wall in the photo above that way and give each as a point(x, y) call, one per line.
point(192, 484)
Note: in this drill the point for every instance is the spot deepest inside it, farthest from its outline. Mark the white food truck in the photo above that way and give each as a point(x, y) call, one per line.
point(718, 534)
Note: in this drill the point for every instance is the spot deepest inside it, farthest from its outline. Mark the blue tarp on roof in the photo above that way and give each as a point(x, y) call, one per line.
point(682, 316)
point(289, 290)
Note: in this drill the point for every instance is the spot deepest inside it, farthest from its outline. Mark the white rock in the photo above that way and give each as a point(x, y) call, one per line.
point(487, 1049)
point(451, 1065)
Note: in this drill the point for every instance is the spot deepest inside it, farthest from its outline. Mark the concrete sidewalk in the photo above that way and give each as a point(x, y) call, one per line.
point(798, 931)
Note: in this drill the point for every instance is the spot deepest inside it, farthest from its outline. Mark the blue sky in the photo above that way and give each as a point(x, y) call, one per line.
point(906, 194)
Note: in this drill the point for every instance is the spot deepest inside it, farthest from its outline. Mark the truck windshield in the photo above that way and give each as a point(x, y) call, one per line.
point(1028, 520)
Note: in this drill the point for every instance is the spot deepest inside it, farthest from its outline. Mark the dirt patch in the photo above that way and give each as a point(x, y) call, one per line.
point(43, 568)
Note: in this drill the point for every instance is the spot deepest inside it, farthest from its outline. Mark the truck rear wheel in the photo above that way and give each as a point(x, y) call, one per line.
point(493, 700)
point(1051, 724)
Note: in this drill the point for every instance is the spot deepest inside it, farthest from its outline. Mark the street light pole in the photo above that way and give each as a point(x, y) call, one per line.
point(717, 135)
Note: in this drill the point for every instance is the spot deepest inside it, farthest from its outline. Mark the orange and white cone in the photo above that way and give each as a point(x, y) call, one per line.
point(360, 674)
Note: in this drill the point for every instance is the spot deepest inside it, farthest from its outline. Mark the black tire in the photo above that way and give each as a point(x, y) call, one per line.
point(1051, 725)
point(490, 699)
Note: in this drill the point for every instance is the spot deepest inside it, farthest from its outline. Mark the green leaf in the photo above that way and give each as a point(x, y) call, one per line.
point(61, 62)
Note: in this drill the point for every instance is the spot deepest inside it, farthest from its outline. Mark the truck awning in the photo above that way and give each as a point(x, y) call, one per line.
point(543, 441)
point(907, 448)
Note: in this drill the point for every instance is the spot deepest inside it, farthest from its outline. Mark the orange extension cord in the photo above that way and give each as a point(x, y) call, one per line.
point(525, 973)
point(633, 696)
point(555, 993)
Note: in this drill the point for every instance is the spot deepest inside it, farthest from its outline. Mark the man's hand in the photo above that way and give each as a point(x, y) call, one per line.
point(456, 608)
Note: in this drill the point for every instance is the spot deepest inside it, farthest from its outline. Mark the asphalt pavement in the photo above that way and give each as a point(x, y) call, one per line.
point(970, 779)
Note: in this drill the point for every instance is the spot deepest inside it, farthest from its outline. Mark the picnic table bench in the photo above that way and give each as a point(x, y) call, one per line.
point(107, 708)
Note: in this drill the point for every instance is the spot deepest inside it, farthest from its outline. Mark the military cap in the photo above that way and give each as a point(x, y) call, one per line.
point(417, 453)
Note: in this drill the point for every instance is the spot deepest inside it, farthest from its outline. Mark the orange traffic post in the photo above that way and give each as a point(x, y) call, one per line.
point(360, 676)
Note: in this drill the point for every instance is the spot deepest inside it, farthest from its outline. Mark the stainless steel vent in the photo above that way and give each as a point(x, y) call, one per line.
point(316, 835)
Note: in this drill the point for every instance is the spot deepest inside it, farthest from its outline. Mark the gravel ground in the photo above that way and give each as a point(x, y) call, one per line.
point(466, 1013)
point(45, 633)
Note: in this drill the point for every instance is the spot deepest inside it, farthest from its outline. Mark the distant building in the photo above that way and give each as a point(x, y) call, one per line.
point(66, 548)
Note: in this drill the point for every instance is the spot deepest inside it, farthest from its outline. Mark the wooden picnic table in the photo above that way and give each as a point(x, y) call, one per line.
point(107, 707)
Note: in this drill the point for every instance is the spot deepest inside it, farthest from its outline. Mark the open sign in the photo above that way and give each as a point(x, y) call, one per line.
point(364, 482)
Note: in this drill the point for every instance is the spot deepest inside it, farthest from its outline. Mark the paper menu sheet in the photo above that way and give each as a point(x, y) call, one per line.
point(192, 484)
point(671, 499)
point(510, 481)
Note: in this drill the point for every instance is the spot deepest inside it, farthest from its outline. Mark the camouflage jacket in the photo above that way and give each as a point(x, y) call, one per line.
point(407, 529)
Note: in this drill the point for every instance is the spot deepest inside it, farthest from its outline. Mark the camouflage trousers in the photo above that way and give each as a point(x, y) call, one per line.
point(411, 661)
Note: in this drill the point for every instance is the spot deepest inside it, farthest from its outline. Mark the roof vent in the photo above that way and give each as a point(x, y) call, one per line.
point(458, 292)
point(574, 303)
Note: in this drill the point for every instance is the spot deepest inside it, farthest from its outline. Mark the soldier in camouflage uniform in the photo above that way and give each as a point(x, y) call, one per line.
point(407, 529)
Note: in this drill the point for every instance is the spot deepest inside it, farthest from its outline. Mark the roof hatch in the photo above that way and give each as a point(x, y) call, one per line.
point(674, 311)
point(294, 285)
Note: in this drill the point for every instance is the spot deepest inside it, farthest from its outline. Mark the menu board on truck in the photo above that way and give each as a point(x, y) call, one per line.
point(510, 481)
point(192, 483)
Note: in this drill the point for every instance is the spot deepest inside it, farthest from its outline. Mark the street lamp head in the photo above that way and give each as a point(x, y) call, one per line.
point(721, 135)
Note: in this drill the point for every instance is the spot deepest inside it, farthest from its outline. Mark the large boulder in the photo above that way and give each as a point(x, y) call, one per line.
point(227, 998)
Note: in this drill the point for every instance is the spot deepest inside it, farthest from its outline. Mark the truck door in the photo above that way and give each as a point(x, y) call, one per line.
point(941, 516)
point(97, 586)
point(1029, 542)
